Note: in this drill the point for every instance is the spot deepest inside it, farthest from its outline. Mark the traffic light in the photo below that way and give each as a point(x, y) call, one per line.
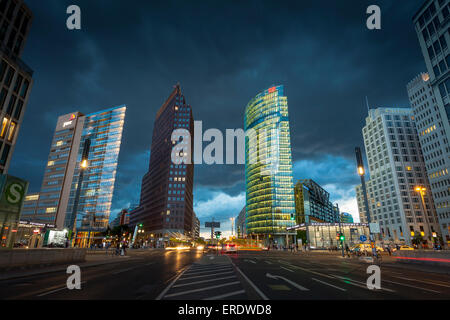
point(341, 237)
point(292, 216)
point(141, 225)
point(218, 234)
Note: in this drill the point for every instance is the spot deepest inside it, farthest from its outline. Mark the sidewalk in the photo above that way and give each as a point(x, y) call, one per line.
point(91, 261)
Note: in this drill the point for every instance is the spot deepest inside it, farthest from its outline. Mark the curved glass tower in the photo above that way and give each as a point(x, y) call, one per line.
point(270, 204)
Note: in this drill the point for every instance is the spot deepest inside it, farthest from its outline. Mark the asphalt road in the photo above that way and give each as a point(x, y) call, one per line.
point(182, 275)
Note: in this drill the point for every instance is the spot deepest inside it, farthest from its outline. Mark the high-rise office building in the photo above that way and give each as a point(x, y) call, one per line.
point(15, 75)
point(312, 203)
point(346, 217)
point(166, 202)
point(270, 205)
point(195, 227)
point(396, 169)
point(430, 99)
point(102, 131)
point(241, 229)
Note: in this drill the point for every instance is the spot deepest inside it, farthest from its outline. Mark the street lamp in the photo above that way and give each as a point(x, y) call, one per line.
point(422, 190)
point(83, 167)
point(361, 173)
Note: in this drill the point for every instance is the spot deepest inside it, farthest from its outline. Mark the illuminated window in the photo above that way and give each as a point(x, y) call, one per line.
point(32, 197)
point(408, 168)
point(59, 143)
point(4, 124)
point(50, 210)
point(50, 163)
point(12, 130)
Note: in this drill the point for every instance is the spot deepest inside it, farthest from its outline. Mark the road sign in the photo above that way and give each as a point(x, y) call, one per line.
point(12, 195)
point(212, 224)
point(363, 238)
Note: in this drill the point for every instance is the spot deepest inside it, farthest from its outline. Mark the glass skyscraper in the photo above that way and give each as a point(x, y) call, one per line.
point(104, 131)
point(270, 204)
point(55, 202)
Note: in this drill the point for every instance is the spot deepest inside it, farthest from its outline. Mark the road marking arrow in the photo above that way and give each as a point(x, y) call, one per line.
point(292, 283)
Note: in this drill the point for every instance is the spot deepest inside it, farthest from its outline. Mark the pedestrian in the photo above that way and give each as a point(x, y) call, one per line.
point(388, 249)
point(118, 248)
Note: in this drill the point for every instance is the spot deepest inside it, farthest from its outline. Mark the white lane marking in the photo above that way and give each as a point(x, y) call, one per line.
point(318, 273)
point(247, 260)
point(268, 262)
point(408, 285)
point(292, 283)
point(55, 290)
point(209, 271)
point(161, 295)
point(328, 284)
point(202, 281)
point(286, 269)
point(427, 282)
point(202, 289)
point(261, 294)
point(358, 283)
point(209, 267)
point(148, 264)
point(206, 275)
point(226, 295)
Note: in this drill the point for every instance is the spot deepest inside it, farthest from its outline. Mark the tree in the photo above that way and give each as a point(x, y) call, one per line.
point(301, 234)
point(418, 239)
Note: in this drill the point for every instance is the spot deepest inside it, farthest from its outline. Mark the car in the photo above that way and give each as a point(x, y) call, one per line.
point(230, 247)
point(405, 248)
point(365, 247)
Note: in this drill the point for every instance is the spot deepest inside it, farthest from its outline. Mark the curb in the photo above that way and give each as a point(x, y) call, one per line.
point(87, 265)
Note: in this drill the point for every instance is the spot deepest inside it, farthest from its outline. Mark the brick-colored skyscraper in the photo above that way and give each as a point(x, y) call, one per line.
point(166, 203)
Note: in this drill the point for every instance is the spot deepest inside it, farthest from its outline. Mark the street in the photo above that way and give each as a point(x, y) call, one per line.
point(260, 275)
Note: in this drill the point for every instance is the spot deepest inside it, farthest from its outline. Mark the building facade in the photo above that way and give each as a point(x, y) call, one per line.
point(397, 169)
point(270, 205)
point(312, 203)
point(346, 217)
point(434, 144)
point(195, 227)
point(241, 229)
point(431, 103)
point(15, 76)
point(166, 202)
point(55, 202)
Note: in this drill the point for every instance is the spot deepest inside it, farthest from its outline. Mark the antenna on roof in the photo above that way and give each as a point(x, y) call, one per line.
point(367, 104)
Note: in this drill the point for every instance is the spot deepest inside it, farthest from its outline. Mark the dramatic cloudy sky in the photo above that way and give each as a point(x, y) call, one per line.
point(223, 53)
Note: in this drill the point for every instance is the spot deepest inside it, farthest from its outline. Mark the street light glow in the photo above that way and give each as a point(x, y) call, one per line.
point(84, 164)
point(361, 171)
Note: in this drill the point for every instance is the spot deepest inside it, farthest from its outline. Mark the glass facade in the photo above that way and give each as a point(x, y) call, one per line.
point(325, 235)
point(312, 203)
point(104, 130)
point(270, 206)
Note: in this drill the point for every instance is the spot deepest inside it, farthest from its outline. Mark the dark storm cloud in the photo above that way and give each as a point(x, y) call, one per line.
point(223, 54)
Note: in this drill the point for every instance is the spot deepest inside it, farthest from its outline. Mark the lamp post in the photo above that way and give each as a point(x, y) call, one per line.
point(361, 173)
point(83, 167)
point(422, 190)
